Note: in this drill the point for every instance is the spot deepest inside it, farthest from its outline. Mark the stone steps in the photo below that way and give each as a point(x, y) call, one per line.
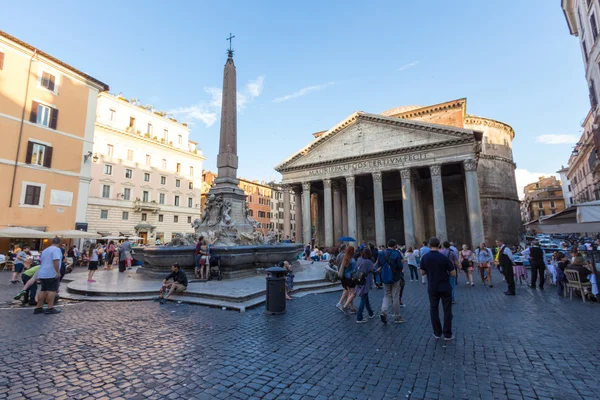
point(240, 303)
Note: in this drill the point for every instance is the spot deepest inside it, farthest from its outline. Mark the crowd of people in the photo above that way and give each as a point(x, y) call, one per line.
point(32, 268)
point(436, 264)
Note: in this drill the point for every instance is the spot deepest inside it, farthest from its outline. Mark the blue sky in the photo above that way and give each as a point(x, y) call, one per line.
point(304, 66)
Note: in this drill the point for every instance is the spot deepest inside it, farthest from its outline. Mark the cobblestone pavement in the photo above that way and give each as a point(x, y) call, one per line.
point(533, 345)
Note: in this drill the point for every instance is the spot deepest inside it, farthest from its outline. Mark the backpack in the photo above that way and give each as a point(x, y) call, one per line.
point(387, 273)
point(358, 276)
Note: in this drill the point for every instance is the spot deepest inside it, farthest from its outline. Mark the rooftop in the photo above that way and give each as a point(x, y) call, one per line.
point(5, 35)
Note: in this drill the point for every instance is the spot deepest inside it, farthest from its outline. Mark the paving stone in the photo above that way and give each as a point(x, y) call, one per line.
point(142, 350)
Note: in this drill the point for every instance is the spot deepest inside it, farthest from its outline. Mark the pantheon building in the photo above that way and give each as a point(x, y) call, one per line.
point(407, 174)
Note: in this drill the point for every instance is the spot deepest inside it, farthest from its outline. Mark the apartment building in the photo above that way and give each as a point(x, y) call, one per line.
point(146, 172)
point(47, 113)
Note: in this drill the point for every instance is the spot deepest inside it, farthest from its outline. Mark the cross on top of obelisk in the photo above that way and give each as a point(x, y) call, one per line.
point(230, 50)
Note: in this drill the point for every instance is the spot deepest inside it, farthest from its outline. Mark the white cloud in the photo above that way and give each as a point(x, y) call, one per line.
point(216, 95)
point(207, 111)
point(195, 113)
point(557, 139)
point(525, 177)
point(303, 92)
point(255, 86)
point(409, 65)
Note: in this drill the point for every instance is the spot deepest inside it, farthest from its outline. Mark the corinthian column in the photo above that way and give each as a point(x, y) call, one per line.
point(286, 211)
point(351, 206)
point(306, 214)
point(439, 209)
point(298, 213)
point(407, 209)
point(328, 209)
point(473, 202)
point(337, 211)
point(379, 214)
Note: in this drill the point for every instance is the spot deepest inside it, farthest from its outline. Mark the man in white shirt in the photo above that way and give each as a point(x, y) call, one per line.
point(48, 275)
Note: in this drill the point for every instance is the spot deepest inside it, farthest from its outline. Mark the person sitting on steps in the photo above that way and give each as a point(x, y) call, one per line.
point(179, 284)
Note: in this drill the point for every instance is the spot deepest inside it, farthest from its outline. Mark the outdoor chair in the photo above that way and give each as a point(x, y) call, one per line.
point(574, 283)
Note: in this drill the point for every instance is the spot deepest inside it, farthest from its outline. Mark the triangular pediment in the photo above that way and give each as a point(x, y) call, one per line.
point(107, 180)
point(128, 184)
point(363, 134)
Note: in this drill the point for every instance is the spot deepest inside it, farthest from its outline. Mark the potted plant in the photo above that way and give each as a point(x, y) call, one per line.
point(147, 135)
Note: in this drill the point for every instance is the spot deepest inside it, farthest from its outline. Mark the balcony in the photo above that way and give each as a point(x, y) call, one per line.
point(151, 206)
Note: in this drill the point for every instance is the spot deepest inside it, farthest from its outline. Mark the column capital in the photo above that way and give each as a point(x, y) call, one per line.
point(327, 183)
point(470, 165)
point(436, 170)
point(285, 187)
point(350, 180)
point(336, 185)
point(306, 186)
point(405, 173)
point(377, 176)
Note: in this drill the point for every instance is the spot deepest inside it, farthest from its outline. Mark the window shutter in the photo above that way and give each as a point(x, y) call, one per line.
point(1, 61)
point(51, 82)
point(28, 195)
point(36, 195)
point(48, 157)
point(54, 118)
point(29, 153)
point(33, 115)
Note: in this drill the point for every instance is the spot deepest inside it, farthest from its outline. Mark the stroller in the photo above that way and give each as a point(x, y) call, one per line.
point(214, 268)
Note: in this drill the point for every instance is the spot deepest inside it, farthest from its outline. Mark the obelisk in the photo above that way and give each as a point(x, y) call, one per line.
point(227, 185)
point(227, 160)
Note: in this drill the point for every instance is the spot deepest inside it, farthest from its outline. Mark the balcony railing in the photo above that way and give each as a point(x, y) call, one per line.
point(140, 205)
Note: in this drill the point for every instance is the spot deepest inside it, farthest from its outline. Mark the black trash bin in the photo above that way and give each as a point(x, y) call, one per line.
point(275, 291)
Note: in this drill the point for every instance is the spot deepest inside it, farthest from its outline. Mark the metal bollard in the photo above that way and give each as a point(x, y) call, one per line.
point(275, 291)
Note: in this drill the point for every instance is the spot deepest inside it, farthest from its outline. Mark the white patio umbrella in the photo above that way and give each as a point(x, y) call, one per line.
point(134, 238)
point(112, 237)
point(75, 234)
point(18, 232)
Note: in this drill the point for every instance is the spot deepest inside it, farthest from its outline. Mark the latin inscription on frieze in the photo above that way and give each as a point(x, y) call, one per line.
point(394, 161)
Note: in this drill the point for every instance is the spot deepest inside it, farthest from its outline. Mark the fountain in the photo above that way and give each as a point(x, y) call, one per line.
point(225, 222)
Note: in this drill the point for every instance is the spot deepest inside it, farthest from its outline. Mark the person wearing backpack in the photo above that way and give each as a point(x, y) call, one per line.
point(453, 257)
point(363, 276)
point(391, 268)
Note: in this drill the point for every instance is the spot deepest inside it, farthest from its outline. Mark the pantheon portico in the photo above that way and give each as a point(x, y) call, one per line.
point(375, 178)
point(408, 174)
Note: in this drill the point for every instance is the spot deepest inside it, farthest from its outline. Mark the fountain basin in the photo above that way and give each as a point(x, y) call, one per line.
point(236, 261)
